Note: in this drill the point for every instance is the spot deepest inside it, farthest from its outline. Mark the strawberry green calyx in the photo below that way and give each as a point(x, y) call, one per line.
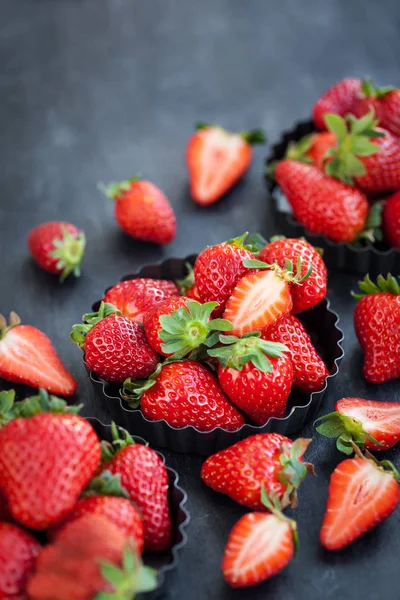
point(293, 470)
point(7, 399)
point(188, 328)
point(274, 506)
point(114, 189)
point(253, 242)
point(369, 90)
point(388, 286)
point(383, 465)
point(120, 439)
point(132, 578)
point(295, 151)
point(188, 281)
point(236, 352)
point(13, 321)
point(105, 484)
point(254, 136)
point(69, 251)
point(346, 430)
point(373, 225)
point(132, 389)
point(289, 273)
point(42, 403)
point(80, 330)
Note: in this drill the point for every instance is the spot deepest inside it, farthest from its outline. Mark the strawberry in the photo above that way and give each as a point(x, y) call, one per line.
point(115, 346)
point(18, 553)
point(313, 289)
point(309, 370)
point(255, 375)
point(391, 220)
point(338, 99)
point(179, 326)
point(184, 393)
point(4, 512)
point(268, 459)
point(218, 269)
point(27, 356)
point(90, 558)
point(311, 148)
point(217, 159)
point(142, 210)
point(362, 494)
point(134, 297)
point(48, 455)
point(259, 546)
point(144, 477)
point(187, 286)
point(324, 205)
point(385, 102)
point(263, 297)
point(369, 424)
point(377, 326)
point(58, 248)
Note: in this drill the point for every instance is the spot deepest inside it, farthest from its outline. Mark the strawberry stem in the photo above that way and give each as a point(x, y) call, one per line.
point(236, 352)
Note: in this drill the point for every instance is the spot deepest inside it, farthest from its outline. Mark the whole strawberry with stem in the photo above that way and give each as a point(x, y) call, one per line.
point(219, 268)
point(184, 393)
point(255, 374)
point(384, 101)
point(370, 424)
point(58, 248)
point(263, 296)
point(265, 459)
point(362, 493)
point(338, 99)
point(259, 545)
point(391, 220)
point(313, 289)
point(309, 370)
point(27, 356)
point(142, 210)
point(144, 478)
point(217, 159)
point(48, 454)
point(115, 347)
point(180, 326)
point(377, 326)
point(187, 286)
point(134, 297)
point(18, 553)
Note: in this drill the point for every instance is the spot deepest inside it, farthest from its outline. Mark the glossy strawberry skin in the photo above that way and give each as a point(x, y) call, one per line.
point(309, 370)
point(134, 297)
point(382, 168)
point(259, 395)
point(338, 99)
point(377, 326)
point(387, 110)
point(313, 289)
point(217, 270)
point(151, 322)
point(324, 205)
point(18, 553)
point(41, 243)
point(116, 348)
point(391, 220)
point(145, 213)
point(145, 479)
point(187, 393)
point(45, 463)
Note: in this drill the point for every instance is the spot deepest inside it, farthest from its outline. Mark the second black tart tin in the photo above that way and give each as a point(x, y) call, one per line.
point(374, 259)
point(322, 325)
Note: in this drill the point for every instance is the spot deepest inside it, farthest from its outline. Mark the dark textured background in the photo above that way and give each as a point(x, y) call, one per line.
point(98, 90)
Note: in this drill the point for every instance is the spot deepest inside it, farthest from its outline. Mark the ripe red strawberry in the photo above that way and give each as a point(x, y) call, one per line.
point(142, 210)
point(187, 286)
point(18, 552)
point(178, 326)
point(259, 546)
point(311, 148)
point(145, 479)
point(217, 159)
point(361, 495)
point(391, 220)
point(377, 326)
point(309, 370)
point(313, 289)
point(324, 205)
point(185, 393)
point(46, 460)
point(338, 99)
point(58, 248)
point(134, 297)
point(115, 346)
point(219, 268)
point(255, 375)
point(268, 459)
point(367, 423)
point(27, 356)
point(90, 556)
point(385, 102)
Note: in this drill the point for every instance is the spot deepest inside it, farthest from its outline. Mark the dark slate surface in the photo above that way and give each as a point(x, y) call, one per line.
point(99, 90)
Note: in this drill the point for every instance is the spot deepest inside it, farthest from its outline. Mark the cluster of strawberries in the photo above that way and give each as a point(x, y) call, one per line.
point(337, 181)
point(75, 513)
point(163, 347)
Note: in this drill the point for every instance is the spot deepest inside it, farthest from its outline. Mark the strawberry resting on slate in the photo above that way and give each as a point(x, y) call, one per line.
point(217, 159)
point(377, 326)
